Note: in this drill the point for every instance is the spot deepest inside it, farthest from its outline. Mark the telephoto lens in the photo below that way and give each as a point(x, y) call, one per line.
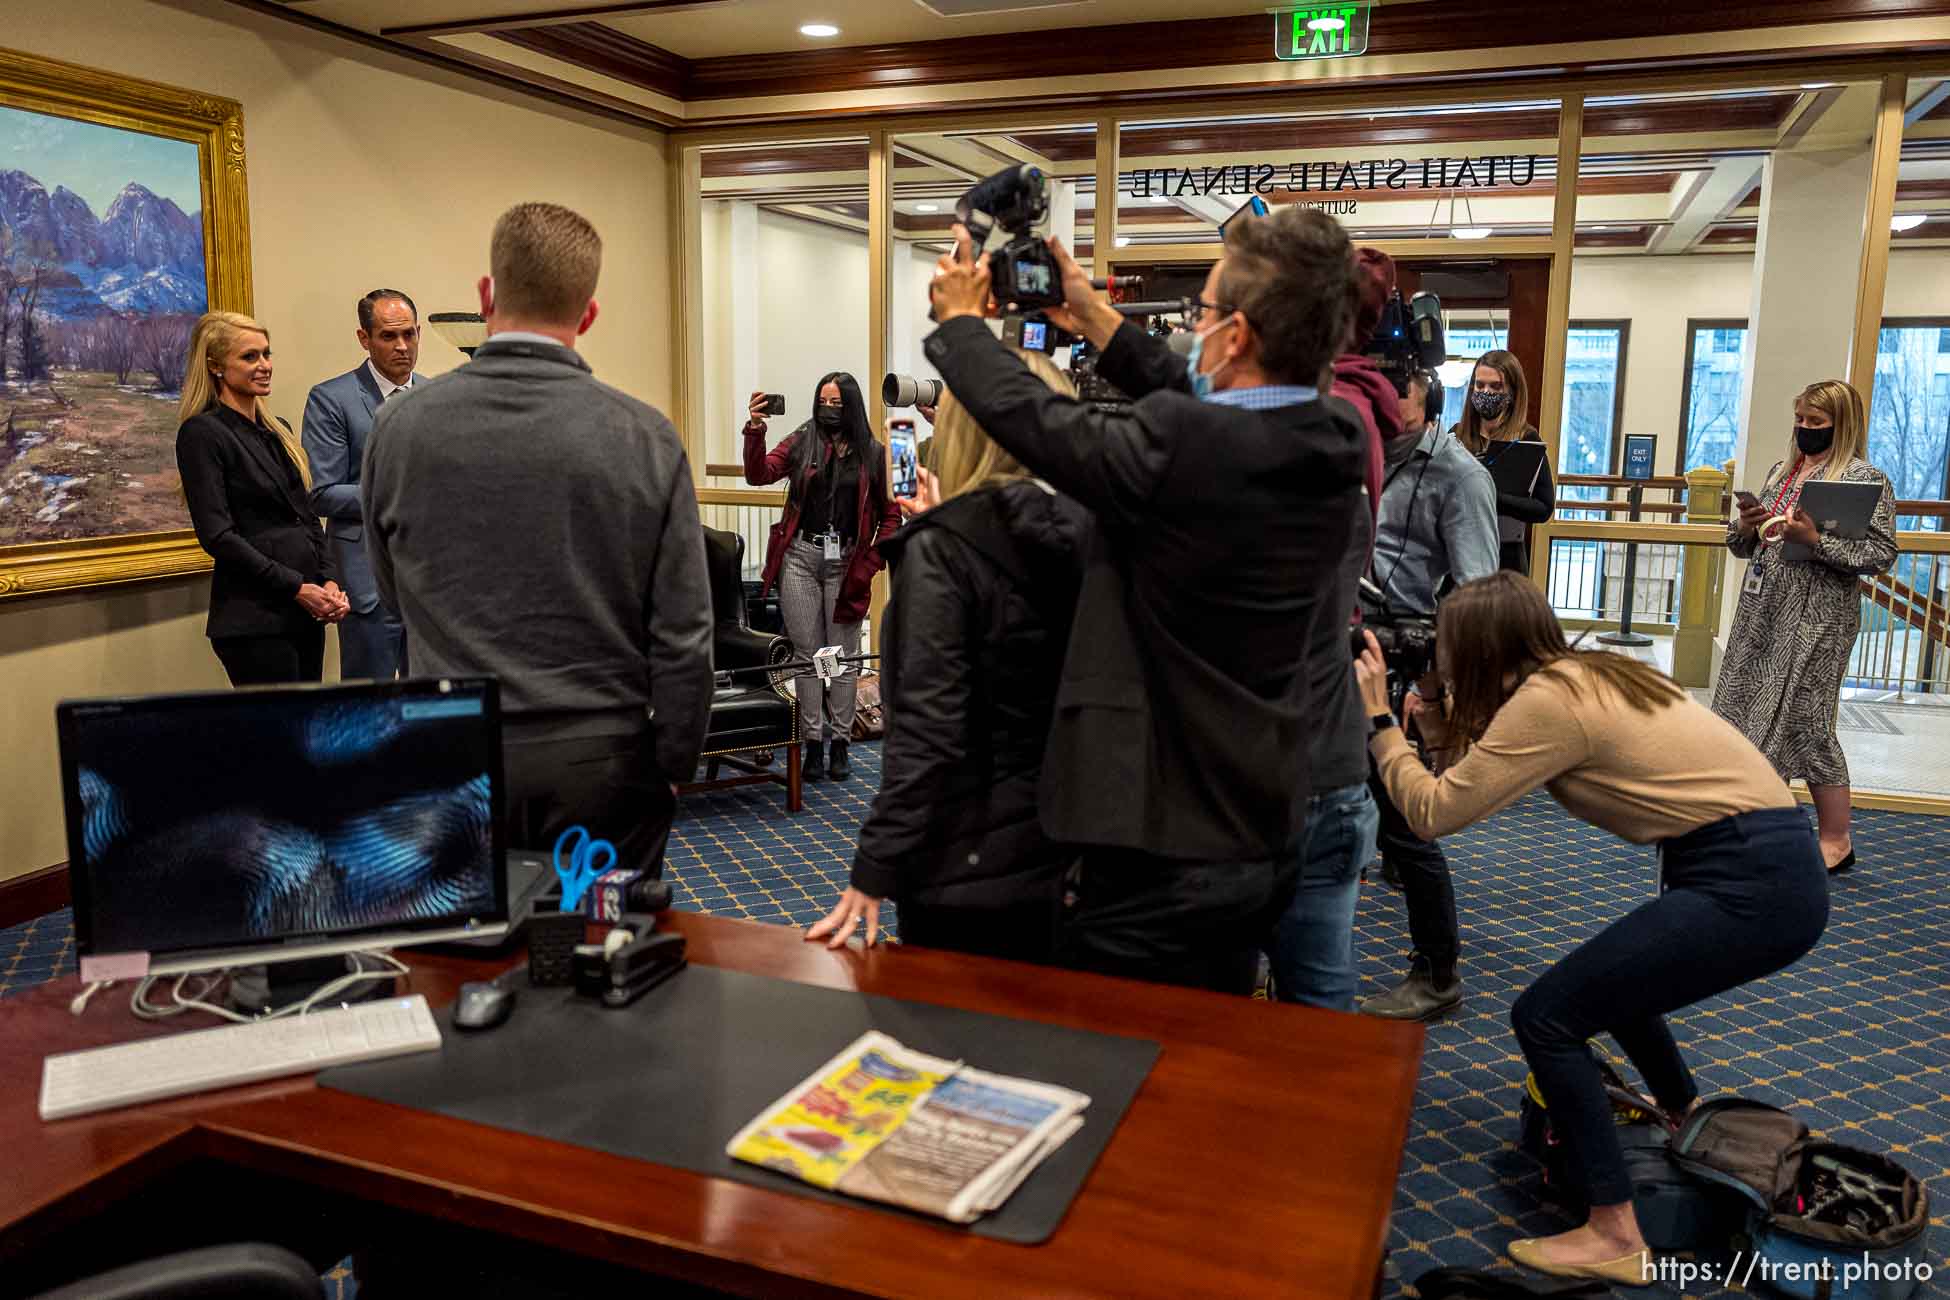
point(906, 390)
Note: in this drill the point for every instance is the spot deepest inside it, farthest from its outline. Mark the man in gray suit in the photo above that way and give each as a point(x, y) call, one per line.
point(338, 418)
point(534, 524)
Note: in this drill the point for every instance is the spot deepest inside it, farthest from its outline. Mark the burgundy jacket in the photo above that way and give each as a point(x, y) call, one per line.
point(879, 519)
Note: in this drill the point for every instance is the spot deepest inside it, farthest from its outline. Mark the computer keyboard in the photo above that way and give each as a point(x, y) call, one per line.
point(102, 1078)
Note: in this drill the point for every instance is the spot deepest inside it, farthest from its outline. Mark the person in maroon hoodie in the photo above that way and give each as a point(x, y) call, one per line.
point(1358, 380)
point(825, 550)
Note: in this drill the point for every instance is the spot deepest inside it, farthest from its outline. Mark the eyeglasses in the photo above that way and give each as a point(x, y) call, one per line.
point(1196, 309)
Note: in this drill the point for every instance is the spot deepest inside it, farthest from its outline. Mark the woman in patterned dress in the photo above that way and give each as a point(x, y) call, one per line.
point(1781, 680)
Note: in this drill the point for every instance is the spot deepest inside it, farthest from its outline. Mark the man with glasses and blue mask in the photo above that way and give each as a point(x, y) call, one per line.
point(1222, 500)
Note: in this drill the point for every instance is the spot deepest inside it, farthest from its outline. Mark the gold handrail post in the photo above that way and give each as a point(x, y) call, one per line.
point(1699, 585)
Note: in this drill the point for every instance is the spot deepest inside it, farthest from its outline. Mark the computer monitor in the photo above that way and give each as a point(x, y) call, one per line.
point(243, 827)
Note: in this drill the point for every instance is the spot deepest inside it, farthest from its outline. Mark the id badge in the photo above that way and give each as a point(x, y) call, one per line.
point(1752, 585)
point(831, 548)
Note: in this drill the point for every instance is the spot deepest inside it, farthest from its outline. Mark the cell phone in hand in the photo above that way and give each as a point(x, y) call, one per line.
point(1747, 500)
point(775, 403)
point(903, 457)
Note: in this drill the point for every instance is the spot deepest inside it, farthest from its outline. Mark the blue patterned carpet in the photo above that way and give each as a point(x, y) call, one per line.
point(1855, 1038)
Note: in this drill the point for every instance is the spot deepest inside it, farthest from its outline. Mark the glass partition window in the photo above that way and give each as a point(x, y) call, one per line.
point(1465, 171)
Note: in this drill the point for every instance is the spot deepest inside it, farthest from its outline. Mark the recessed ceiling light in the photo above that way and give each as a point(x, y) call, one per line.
point(1123, 241)
point(1597, 227)
point(926, 207)
point(818, 29)
point(1470, 232)
point(1908, 220)
point(1818, 85)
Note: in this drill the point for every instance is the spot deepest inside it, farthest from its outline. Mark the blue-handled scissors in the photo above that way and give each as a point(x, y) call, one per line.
point(589, 858)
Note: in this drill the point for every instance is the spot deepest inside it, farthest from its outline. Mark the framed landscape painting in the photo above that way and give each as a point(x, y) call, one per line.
point(122, 219)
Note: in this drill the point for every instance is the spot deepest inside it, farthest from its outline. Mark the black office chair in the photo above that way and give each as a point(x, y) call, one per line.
point(249, 1271)
point(753, 714)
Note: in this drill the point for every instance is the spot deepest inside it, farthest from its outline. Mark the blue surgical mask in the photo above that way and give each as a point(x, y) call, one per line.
point(1201, 383)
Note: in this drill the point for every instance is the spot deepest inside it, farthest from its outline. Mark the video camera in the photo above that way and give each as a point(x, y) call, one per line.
point(1408, 338)
point(1023, 271)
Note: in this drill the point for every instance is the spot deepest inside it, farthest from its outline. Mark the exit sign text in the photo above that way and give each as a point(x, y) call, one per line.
point(1333, 31)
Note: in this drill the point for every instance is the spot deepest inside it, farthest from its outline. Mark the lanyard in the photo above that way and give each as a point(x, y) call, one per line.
point(1789, 495)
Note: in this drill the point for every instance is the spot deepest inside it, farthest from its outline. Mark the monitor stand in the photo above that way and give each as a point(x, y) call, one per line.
point(256, 989)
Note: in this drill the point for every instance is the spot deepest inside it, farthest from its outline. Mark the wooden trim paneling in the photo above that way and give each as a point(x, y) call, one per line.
point(1430, 27)
point(1873, 274)
point(34, 895)
point(609, 52)
point(1550, 417)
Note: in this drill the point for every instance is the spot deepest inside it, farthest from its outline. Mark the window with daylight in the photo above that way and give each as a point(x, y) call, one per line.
point(1594, 372)
point(1710, 408)
point(1909, 416)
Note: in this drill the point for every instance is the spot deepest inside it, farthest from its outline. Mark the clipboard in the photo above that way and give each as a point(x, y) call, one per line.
point(1840, 509)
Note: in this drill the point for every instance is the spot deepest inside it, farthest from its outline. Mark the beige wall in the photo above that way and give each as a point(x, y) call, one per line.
point(1659, 294)
point(364, 169)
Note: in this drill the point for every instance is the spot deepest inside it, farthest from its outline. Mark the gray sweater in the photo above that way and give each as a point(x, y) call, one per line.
point(1438, 516)
point(531, 523)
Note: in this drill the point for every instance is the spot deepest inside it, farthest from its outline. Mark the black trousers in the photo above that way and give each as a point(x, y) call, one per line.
point(1200, 924)
point(1020, 932)
point(1426, 887)
point(608, 784)
point(296, 656)
point(1743, 897)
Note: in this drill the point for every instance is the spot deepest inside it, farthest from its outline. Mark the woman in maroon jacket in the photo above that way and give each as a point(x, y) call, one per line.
point(825, 550)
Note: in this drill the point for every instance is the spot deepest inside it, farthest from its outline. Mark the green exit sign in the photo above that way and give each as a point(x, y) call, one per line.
point(1321, 32)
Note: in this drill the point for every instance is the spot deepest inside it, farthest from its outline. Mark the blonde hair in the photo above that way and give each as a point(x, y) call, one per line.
point(1475, 434)
point(1843, 406)
point(215, 338)
point(544, 259)
point(965, 457)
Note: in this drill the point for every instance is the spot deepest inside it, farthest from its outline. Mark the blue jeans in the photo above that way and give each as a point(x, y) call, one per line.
point(1313, 944)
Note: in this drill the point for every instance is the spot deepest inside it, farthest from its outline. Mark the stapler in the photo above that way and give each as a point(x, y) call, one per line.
point(633, 959)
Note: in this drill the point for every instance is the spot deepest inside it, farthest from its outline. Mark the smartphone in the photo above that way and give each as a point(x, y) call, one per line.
point(1747, 499)
point(775, 403)
point(903, 464)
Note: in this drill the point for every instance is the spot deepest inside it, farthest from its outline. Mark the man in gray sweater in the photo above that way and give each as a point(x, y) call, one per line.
point(533, 524)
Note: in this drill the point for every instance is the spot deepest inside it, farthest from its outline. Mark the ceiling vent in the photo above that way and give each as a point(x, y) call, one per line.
point(982, 8)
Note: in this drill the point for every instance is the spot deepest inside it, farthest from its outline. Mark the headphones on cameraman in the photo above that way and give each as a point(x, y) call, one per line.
point(1434, 398)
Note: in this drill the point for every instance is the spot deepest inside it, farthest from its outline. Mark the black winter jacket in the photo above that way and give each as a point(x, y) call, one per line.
point(984, 590)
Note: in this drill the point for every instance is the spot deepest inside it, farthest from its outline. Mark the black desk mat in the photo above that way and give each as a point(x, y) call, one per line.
point(672, 1078)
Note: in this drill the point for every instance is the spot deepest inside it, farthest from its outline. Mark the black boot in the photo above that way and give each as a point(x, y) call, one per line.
point(814, 768)
point(1421, 996)
point(837, 767)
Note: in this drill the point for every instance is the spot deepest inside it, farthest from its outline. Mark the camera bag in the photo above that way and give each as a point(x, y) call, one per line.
point(1675, 1211)
point(1768, 1158)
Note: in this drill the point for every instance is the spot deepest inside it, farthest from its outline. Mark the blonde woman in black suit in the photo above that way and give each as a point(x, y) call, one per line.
point(244, 474)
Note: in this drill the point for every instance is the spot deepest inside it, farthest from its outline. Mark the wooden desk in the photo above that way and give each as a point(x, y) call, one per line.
point(1259, 1158)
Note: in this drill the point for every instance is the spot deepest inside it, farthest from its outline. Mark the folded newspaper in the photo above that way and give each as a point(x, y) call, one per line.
point(885, 1123)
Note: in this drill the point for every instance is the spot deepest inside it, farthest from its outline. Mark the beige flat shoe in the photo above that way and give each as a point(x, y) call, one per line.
point(1634, 1269)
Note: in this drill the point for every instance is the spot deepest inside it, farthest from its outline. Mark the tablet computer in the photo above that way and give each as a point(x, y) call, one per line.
point(1843, 509)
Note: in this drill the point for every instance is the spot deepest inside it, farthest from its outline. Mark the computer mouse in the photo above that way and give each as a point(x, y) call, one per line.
point(483, 1005)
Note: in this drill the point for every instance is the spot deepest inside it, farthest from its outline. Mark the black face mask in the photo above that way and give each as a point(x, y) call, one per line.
point(1812, 441)
point(827, 418)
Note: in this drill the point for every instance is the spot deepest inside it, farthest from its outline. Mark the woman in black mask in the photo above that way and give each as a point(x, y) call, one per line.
point(1781, 680)
point(1492, 421)
point(824, 551)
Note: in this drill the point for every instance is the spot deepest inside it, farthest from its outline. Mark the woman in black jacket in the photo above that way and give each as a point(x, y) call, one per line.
point(985, 585)
point(274, 587)
point(1492, 420)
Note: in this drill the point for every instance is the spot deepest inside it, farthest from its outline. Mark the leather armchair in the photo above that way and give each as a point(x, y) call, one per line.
point(242, 1272)
point(753, 713)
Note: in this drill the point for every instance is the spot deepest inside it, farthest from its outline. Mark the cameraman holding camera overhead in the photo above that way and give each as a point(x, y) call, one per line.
point(1222, 501)
point(1438, 519)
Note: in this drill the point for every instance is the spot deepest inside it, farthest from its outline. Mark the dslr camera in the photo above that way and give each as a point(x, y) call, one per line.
point(1407, 641)
point(1023, 271)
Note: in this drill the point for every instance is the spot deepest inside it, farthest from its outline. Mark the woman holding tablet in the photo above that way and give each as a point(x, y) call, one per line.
point(1781, 680)
point(1621, 746)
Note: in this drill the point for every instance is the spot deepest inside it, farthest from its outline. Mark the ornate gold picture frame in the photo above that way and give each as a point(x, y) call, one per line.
point(88, 495)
